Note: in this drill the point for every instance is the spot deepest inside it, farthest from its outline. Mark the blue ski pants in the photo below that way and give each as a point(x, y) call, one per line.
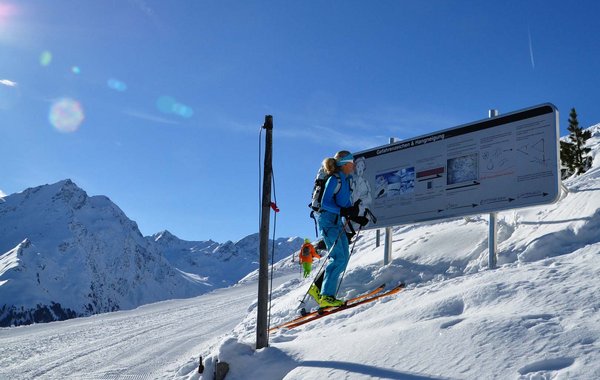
point(332, 230)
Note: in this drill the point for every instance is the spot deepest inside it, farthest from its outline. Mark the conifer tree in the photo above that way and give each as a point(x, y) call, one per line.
point(577, 162)
point(566, 156)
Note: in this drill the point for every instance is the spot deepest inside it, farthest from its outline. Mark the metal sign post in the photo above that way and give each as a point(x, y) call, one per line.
point(493, 231)
point(387, 255)
point(387, 249)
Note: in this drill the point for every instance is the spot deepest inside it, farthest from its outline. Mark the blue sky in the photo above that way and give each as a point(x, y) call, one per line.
point(162, 101)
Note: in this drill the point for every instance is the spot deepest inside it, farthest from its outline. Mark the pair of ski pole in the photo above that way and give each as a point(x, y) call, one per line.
point(320, 272)
point(367, 212)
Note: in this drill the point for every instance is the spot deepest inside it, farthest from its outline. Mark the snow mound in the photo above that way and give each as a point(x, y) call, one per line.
point(535, 317)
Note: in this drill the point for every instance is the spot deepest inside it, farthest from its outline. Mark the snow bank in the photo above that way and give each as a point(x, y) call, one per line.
point(535, 317)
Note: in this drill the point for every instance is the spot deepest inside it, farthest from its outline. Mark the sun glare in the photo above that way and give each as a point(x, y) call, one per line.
point(6, 11)
point(66, 115)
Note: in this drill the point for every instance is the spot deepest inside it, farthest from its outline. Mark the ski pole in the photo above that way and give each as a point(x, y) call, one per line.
point(324, 260)
point(374, 220)
point(350, 255)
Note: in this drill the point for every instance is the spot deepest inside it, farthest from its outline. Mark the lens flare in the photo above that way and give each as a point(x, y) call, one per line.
point(182, 110)
point(168, 105)
point(165, 104)
point(66, 115)
point(6, 12)
point(9, 23)
point(76, 70)
point(45, 58)
point(116, 85)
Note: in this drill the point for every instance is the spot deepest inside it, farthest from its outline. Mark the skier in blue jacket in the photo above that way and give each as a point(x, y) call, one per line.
point(336, 203)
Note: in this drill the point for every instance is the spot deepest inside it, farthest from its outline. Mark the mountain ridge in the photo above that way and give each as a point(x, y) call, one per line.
point(66, 254)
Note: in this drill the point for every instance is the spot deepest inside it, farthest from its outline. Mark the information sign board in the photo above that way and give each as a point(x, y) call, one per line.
point(506, 162)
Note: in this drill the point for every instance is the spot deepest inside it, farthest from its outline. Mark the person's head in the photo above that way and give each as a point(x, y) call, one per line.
point(306, 240)
point(343, 161)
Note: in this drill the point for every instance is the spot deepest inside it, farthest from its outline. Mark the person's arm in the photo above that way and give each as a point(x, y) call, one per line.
point(314, 253)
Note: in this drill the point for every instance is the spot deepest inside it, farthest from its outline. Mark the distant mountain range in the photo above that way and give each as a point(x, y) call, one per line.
point(64, 254)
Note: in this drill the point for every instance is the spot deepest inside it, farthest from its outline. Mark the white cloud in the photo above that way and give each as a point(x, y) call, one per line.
point(368, 129)
point(2, 194)
point(149, 13)
point(319, 134)
point(531, 50)
point(149, 117)
point(8, 83)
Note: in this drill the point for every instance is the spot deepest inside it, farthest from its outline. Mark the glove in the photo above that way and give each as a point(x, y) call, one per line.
point(350, 235)
point(352, 211)
point(362, 220)
point(321, 245)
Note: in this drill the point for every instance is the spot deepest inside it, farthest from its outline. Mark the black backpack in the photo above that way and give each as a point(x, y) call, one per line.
point(319, 189)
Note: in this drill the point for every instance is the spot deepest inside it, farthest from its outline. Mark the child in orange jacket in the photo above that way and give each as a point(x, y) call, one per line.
point(307, 252)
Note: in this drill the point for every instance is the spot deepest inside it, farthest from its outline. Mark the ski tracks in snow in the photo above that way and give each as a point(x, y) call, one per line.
point(150, 342)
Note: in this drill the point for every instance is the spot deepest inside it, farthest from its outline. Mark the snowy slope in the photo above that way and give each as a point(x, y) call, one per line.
point(535, 317)
point(150, 342)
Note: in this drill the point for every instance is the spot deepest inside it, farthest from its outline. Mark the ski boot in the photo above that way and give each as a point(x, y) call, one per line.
point(330, 301)
point(314, 292)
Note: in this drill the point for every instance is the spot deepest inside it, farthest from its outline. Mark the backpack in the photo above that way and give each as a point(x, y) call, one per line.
point(305, 251)
point(319, 189)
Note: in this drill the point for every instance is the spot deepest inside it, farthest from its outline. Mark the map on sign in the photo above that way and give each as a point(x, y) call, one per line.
point(506, 162)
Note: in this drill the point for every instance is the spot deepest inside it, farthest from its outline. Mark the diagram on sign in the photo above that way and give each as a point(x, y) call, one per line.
point(394, 183)
point(431, 176)
point(463, 169)
point(496, 160)
point(535, 153)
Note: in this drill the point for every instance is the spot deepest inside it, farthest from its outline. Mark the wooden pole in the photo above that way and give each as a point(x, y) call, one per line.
point(262, 338)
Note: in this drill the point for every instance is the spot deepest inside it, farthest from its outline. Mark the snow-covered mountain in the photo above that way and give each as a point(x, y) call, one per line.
point(221, 264)
point(537, 316)
point(65, 254)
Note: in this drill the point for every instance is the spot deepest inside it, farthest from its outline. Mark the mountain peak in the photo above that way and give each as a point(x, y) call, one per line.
point(66, 182)
point(595, 129)
point(24, 244)
point(66, 185)
point(164, 236)
point(70, 193)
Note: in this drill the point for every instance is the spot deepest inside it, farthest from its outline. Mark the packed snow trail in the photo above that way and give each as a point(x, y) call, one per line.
point(151, 342)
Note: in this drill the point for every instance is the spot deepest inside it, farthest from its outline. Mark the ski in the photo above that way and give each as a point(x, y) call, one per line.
point(350, 301)
point(334, 310)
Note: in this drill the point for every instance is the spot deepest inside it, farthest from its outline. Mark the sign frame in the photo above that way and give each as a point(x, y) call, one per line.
point(502, 163)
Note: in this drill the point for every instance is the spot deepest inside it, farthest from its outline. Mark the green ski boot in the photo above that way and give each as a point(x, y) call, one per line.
point(314, 292)
point(330, 301)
